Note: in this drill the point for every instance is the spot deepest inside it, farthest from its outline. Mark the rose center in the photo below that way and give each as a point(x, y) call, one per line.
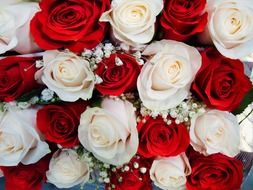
point(234, 23)
point(133, 13)
point(216, 136)
point(185, 3)
point(176, 180)
point(8, 144)
point(98, 138)
point(137, 13)
point(225, 88)
point(66, 170)
point(174, 68)
point(173, 71)
point(219, 132)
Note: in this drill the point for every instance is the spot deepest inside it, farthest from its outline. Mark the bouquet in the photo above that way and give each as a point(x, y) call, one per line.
point(126, 94)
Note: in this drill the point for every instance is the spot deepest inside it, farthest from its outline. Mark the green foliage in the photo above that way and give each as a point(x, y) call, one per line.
point(27, 96)
point(248, 99)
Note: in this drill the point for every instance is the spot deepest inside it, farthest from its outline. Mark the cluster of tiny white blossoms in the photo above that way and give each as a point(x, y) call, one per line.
point(129, 167)
point(181, 113)
point(104, 50)
point(46, 96)
point(99, 170)
point(131, 97)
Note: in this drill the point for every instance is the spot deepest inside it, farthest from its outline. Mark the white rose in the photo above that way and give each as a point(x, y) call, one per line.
point(170, 173)
point(19, 140)
point(110, 132)
point(66, 169)
point(246, 129)
point(165, 79)
point(215, 132)
point(133, 22)
point(230, 26)
point(68, 75)
point(15, 27)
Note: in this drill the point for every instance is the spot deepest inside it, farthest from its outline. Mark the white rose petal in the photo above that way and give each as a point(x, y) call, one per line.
point(248, 58)
point(246, 129)
point(215, 132)
point(230, 27)
point(68, 75)
point(165, 79)
point(133, 22)
point(19, 140)
point(15, 29)
point(67, 170)
point(110, 132)
point(170, 173)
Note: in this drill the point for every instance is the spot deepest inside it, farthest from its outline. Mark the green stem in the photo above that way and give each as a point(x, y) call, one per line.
point(246, 116)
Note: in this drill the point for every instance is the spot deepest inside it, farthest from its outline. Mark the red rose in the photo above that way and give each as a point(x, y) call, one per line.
point(59, 123)
point(26, 177)
point(117, 79)
point(157, 138)
point(214, 172)
point(72, 24)
point(16, 77)
point(181, 19)
point(220, 82)
point(131, 177)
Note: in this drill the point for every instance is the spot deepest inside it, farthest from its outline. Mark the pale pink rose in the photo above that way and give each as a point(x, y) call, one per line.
point(165, 80)
point(230, 27)
point(68, 75)
point(19, 139)
point(215, 132)
point(133, 22)
point(14, 27)
point(110, 132)
point(170, 173)
point(67, 170)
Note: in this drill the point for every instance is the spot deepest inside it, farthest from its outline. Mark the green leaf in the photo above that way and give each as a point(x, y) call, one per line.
point(248, 99)
point(27, 96)
point(96, 103)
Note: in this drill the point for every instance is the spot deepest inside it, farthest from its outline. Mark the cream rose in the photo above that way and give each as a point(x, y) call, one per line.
point(110, 132)
point(170, 173)
point(215, 132)
point(68, 75)
point(19, 140)
point(14, 27)
point(66, 169)
point(133, 22)
point(230, 27)
point(165, 79)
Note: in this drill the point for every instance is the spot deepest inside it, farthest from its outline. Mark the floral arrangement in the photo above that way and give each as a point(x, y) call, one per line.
point(129, 94)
